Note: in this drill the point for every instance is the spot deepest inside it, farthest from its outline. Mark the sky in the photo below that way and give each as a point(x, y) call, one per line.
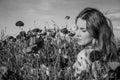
point(38, 13)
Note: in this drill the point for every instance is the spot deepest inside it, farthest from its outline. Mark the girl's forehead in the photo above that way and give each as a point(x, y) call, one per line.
point(81, 23)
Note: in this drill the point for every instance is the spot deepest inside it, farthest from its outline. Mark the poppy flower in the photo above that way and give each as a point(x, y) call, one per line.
point(29, 34)
point(19, 23)
point(18, 37)
point(65, 31)
point(37, 30)
point(44, 33)
point(39, 42)
point(71, 34)
point(10, 38)
point(22, 34)
point(52, 34)
point(49, 30)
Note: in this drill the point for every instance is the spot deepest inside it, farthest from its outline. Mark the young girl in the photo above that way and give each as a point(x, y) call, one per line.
point(99, 56)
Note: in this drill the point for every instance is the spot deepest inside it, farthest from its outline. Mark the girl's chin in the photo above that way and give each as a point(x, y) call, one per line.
point(84, 44)
point(89, 45)
point(81, 44)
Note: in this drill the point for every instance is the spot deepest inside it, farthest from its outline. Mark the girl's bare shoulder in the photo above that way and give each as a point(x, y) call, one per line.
point(85, 53)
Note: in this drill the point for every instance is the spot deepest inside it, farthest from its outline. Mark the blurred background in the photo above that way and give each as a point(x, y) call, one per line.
point(38, 13)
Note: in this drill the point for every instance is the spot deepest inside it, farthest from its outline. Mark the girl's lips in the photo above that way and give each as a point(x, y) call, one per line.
point(77, 39)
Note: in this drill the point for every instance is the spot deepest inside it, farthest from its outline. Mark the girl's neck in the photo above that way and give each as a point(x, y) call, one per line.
point(88, 46)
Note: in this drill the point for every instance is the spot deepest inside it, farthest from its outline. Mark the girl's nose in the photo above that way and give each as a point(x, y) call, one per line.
point(77, 34)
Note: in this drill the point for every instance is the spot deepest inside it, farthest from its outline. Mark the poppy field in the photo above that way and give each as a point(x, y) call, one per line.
point(39, 54)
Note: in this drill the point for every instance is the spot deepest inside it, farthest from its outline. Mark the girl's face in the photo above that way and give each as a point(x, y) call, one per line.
point(82, 35)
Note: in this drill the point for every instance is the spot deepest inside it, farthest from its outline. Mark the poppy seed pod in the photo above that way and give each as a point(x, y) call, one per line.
point(67, 17)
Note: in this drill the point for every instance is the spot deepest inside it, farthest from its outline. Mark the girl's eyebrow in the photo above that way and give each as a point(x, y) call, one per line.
point(82, 28)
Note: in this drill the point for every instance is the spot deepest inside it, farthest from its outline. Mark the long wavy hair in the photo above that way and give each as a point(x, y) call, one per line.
point(101, 30)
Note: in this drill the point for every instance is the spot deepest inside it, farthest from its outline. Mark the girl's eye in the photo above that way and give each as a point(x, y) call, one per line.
point(83, 30)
